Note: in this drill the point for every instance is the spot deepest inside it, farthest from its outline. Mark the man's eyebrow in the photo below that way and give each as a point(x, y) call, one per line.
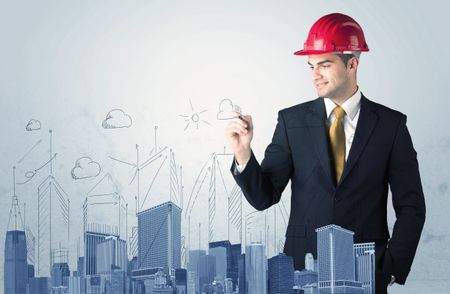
point(322, 62)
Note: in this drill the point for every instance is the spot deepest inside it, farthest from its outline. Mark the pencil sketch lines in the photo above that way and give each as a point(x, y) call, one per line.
point(31, 173)
point(85, 168)
point(33, 125)
point(194, 117)
point(29, 151)
point(226, 107)
point(117, 118)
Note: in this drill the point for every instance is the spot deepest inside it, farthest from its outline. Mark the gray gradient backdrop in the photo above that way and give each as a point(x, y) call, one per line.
point(67, 63)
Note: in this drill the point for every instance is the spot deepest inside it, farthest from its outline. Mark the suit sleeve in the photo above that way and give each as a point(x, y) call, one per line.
point(409, 205)
point(263, 184)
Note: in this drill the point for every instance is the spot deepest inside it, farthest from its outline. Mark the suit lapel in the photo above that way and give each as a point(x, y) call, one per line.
point(366, 122)
point(316, 119)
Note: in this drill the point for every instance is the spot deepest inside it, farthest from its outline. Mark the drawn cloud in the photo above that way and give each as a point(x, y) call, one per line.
point(85, 168)
point(117, 118)
point(226, 107)
point(33, 125)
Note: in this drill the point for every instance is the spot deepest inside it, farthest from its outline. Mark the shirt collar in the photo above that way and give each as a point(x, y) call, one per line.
point(351, 105)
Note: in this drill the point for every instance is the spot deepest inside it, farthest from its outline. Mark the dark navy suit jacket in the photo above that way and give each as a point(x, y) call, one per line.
point(381, 157)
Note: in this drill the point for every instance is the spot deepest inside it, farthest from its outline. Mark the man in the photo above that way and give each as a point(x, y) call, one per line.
point(342, 153)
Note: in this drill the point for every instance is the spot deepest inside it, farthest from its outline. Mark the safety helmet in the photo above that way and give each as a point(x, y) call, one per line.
point(334, 32)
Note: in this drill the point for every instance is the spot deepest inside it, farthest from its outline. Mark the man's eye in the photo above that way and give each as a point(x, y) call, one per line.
point(325, 65)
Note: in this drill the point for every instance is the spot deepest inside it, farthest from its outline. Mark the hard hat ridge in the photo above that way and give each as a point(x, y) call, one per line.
point(334, 32)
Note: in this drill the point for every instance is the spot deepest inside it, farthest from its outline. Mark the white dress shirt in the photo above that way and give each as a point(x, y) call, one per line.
point(351, 106)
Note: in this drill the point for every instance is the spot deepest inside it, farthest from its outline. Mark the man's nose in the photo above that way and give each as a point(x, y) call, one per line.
point(316, 74)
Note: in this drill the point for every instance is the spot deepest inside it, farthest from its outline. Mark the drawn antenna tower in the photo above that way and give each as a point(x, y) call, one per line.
point(15, 208)
point(212, 177)
point(175, 185)
point(48, 219)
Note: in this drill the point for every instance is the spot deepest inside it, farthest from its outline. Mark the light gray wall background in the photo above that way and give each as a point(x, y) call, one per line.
point(68, 63)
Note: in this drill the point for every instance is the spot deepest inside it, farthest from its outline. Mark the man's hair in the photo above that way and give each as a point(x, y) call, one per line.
point(346, 57)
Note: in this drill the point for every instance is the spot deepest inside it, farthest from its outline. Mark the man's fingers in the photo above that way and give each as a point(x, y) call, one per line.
point(247, 119)
point(236, 129)
point(238, 121)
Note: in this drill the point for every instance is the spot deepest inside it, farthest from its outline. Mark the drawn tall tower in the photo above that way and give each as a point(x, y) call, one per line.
point(15, 266)
point(53, 216)
point(159, 238)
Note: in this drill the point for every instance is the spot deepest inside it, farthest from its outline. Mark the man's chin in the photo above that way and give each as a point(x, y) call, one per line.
point(321, 94)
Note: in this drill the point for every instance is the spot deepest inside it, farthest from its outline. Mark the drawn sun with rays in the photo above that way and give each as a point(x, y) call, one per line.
point(194, 117)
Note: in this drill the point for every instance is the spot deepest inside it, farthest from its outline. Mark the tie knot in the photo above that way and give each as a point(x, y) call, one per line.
point(339, 112)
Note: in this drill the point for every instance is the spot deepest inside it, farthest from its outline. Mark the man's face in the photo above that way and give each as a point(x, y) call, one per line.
point(330, 76)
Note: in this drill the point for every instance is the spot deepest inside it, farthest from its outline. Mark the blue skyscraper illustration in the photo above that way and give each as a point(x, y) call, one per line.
point(365, 266)
point(194, 258)
point(255, 269)
point(309, 262)
point(220, 253)
point(91, 240)
point(281, 274)
point(39, 285)
point(15, 266)
point(232, 270)
point(159, 237)
point(233, 252)
point(118, 281)
point(59, 273)
point(336, 258)
point(304, 278)
point(206, 271)
point(181, 280)
point(241, 274)
point(111, 254)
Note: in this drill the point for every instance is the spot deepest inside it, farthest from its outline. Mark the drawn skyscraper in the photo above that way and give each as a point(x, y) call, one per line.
point(206, 271)
point(159, 241)
point(53, 216)
point(111, 254)
point(39, 285)
point(60, 272)
point(220, 254)
point(309, 262)
point(91, 240)
point(365, 266)
point(233, 252)
point(255, 269)
point(336, 258)
point(15, 271)
point(15, 267)
point(194, 258)
point(281, 274)
point(241, 274)
point(101, 200)
point(181, 280)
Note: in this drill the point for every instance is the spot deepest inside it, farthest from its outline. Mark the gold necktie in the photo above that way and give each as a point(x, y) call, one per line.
point(337, 140)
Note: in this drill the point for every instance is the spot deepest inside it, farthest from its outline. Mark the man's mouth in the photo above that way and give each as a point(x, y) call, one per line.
point(320, 85)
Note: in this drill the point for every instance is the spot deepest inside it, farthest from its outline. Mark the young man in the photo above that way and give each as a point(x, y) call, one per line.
point(342, 153)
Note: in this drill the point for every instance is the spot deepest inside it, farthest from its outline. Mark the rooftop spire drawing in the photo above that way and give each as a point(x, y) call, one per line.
point(15, 207)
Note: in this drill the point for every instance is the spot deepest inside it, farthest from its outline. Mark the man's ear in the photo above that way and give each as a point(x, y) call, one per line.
point(353, 63)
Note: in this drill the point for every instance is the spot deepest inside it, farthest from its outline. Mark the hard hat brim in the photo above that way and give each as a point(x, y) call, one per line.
point(318, 52)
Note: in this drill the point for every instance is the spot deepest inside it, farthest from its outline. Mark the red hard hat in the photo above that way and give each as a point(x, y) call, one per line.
point(334, 32)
